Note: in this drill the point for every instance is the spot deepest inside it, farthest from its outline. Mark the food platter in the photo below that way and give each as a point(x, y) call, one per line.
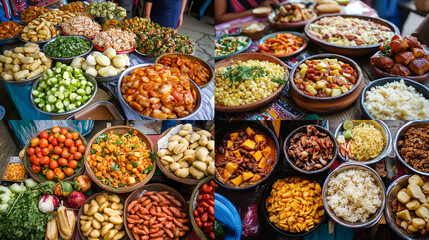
point(288, 25)
point(249, 42)
point(41, 42)
point(273, 35)
point(349, 50)
point(243, 57)
point(70, 59)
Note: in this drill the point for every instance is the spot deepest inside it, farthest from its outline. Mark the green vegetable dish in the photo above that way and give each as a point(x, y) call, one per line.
point(67, 47)
point(62, 89)
point(230, 44)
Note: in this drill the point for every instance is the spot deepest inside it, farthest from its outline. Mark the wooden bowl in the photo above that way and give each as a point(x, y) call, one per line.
point(88, 200)
point(199, 60)
point(253, 34)
point(381, 73)
point(273, 35)
point(118, 130)
point(326, 104)
point(189, 180)
point(287, 26)
point(193, 203)
point(349, 50)
point(420, 88)
point(38, 177)
point(245, 57)
point(157, 187)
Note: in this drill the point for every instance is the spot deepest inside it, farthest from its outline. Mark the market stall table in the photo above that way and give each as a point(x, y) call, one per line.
point(106, 92)
point(284, 107)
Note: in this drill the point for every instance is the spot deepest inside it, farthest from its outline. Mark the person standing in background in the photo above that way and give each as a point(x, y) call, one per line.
point(203, 9)
point(228, 10)
point(167, 13)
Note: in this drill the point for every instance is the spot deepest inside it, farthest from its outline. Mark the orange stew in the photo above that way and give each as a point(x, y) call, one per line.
point(283, 43)
point(159, 92)
point(9, 29)
point(195, 70)
point(325, 77)
point(245, 157)
point(120, 160)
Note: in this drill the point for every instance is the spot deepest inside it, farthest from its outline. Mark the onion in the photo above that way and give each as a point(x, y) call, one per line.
point(48, 203)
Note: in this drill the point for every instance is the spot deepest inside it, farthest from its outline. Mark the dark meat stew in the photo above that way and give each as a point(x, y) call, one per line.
point(311, 150)
point(414, 149)
point(245, 157)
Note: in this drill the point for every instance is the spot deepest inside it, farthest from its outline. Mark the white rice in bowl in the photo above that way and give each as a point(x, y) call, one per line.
point(353, 195)
point(396, 101)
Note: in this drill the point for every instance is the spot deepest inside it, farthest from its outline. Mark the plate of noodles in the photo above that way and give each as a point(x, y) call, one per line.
point(363, 141)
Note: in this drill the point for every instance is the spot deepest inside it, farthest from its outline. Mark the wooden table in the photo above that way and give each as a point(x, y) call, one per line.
point(354, 111)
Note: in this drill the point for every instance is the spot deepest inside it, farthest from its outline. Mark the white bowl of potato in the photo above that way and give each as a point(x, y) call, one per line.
point(186, 154)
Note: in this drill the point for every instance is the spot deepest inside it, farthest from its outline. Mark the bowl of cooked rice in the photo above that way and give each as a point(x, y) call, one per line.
point(366, 142)
point(395, 98)
point(354, 195)
point(248, 81)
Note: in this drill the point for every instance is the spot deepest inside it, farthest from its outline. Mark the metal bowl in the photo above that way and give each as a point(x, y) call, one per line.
point(374, 218)
point(41, 42)
point(380, 125)
point(393, 189)
point(121, 99)
point(88, 78)
point(8, 41)
point(420, 88)
point(69, 60)
point(303, 129)
point(400, 136)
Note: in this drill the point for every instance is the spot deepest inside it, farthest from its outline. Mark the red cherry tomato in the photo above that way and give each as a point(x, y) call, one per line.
point(45, 160)
point(58, 150)
point(54, 142)
point(61, 144)
point(81, 148)
point(34, 142)
point(32, 157)
point(61, 138)
point(50, 148)
point(45, 151)
point(69, 171)
point(39, 154)
point(64, 131)
point(68, 142)
point(62, 162)
point(65, 154)
point(31, 151)
point(55, 157)
point(37, 161)
point(77, 155)
point(35, 168)
point(43, 143)
point(71, 157)
point(60, 176)
point(56, 129)
point(73, 164)
point(73, 149)
point(75, 135)
point(38, 149)
point(68, 135)
point(51, 136)
point(44, 134)
point(50, 175)
point(78, 142)
point(53, 164)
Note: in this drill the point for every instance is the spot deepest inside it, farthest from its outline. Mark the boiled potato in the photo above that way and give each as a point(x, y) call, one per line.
point(404, 214)
point(423, 212)
point(425, 188)
point(418, 223)
point(413, 204)
point(416, 179)
point(403, 197)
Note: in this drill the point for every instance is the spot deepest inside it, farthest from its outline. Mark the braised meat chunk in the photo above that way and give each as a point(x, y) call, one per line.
point(414, 149)
point(311, 150)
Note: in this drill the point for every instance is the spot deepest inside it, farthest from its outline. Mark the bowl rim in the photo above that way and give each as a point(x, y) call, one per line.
point(249, 42)
point(386, 23)
point(269, 133)
point(270, 18)
point(387, 80)
point(267, 192)
point(197, 230)
point(33, 86)
point(272, 35)
point(382, 155)
point(301, 129)
point(259, 103)
point(342, 58)
point(396, 147)
point(198, 106)
point(69, 58)
point(338, 220)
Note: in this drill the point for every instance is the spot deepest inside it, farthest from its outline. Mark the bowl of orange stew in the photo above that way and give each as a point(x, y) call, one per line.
point(282, 44)
point(247, 154)
point(154, 91)
point(326, 83)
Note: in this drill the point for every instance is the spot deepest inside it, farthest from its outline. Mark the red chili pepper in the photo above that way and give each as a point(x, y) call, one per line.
point(212, 218)
point(211, 202)
point(205, 188)
point(196, 213)
point(211, 210)
point(205, 205)
point(207, 196)
point(212, 235)
point(199, 223)
point(200, 197)
point(207, 230)
point(207, 224)
point(201, 210)
point(204, 217)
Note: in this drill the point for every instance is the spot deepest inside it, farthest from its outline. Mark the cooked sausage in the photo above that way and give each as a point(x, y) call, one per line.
point(382, 61)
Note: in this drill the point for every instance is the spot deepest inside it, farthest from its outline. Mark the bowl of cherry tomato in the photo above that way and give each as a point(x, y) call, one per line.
point(55, 154)
point(201, 209)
